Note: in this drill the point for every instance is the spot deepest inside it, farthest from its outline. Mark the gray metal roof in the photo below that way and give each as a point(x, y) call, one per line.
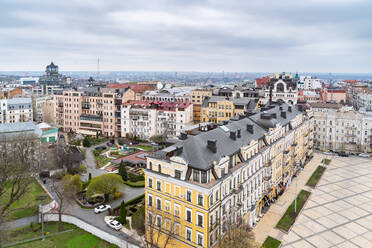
point(9, 130)
point(279, 119)
point(196, 153)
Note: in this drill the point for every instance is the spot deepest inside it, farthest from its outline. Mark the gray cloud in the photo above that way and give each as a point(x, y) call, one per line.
point(214, 35)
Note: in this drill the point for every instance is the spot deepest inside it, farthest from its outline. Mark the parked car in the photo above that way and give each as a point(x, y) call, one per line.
point(102, 208)
point(51, 146)
point(61, 136)
point(364, 155)
point(154, 144)
point(328, 153)
point(343, 154)
point(109, 144)
point(114, 224)
point(100, 148)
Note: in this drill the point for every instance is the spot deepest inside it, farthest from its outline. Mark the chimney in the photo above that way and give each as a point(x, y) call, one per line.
point(179, 150)
point(250, 128)
point(183, 136)
point(233, 135)
point(212, 145)
point(239, 133)
point(283, 114)
point(290, 108)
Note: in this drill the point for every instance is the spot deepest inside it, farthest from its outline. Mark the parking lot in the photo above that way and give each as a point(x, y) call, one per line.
point(339, 210)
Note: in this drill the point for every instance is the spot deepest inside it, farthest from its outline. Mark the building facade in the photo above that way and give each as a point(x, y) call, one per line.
point(282, 87)
point(309, 83)
point(343, 129)
point(147, 118)
point(201, 185)
point(89, 112)
point(217, 108)
point(16, 110)
point(197, 98)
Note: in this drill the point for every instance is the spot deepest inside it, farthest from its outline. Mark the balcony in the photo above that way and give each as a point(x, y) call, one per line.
point(60, 105)
point(85, 106)
point(238, 189)
point(96, 118)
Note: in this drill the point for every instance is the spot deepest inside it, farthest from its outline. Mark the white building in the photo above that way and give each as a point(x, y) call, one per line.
point(146, 119)
point(364, 100)
point(38, 103)
point(15, 110)
point(343, 129)
point(282, 87)
point(29, 80)
point(309, 83)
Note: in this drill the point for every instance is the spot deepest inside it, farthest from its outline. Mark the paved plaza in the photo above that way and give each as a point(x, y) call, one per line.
point(339, 211)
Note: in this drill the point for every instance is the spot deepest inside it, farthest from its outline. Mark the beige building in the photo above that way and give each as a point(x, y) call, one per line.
point(197, 98)
point(342, 129)
point(89, 112)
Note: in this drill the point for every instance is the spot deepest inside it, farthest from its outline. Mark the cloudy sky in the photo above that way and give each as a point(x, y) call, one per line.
point(187, 35)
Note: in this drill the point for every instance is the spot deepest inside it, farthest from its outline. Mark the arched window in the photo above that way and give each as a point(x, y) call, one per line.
point(280, 87)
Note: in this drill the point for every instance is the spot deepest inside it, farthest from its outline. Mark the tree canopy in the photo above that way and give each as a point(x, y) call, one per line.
point(104, 184)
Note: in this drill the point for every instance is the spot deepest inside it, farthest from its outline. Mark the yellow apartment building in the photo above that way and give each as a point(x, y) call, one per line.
point(197, 187)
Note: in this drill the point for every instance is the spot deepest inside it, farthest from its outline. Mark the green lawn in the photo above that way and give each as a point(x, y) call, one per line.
point(326, 161)
point(93, 141)
point(315, 177)
point(101, 160)
point(270, 242)
point(290, 216)
point(137, 184)
point(27, 205)
point(77, 238)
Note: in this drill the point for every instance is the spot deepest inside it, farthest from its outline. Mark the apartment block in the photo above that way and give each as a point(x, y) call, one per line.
point(217, 108)
point(148, 118)
point(89, 112)
point(199, 186)
point(343, 129)
point(197, 98)
point(15, 110)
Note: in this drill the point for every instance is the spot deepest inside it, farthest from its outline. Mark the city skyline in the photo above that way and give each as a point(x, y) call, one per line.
point(317, 36)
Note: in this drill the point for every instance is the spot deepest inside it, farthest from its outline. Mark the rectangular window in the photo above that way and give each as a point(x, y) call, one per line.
point(200, 200)
point(188, 234)
point(150, 183)
point(158, 185)
point(150, 201)
point(204, 177)
point(200, 220)
point(158, 204)
point(200, 239)
point(177, 174)
point(158, 221)
point(188, 215)
point(188, 196)
point(196, 175)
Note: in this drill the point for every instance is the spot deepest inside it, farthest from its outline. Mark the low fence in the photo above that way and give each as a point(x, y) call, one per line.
point(122, 242)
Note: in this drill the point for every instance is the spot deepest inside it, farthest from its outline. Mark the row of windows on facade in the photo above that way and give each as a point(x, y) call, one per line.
point(342, 123)
point(200, 199)
point(188, 212)
point(342, 131)
point(177, 228)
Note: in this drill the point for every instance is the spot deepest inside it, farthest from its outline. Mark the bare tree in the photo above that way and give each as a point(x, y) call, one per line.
point(18, 161)
point(159, 231)
point(236, 233)
point(64, 194)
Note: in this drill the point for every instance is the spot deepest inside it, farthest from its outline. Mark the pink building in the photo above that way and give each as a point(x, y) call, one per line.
point(337, 95)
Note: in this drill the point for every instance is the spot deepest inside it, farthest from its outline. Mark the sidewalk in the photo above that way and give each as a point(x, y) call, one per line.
point(266, 226)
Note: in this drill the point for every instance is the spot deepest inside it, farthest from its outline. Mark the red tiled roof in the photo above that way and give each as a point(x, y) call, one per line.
point(133, 158)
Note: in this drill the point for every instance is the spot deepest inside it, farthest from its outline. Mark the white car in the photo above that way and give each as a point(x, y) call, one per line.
point(102, 208)
point(114, 224)
point(328, 153)
point(364, 155)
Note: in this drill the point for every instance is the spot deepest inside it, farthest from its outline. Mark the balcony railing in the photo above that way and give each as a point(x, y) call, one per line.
point(91, 118)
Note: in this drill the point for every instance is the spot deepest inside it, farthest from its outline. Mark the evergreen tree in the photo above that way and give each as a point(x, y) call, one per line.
point(86, 142)
point(123, 171)
point(123, 213)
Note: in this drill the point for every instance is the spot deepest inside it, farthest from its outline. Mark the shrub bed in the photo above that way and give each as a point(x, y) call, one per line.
point(315, 177)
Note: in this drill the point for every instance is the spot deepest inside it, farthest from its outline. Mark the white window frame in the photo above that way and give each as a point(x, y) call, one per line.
point(197, 219)
point(148, 200)
point(188, 229)
point(188, 210)
point(198, 234)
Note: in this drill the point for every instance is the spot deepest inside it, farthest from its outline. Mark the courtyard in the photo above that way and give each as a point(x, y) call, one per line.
point(339, 210)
